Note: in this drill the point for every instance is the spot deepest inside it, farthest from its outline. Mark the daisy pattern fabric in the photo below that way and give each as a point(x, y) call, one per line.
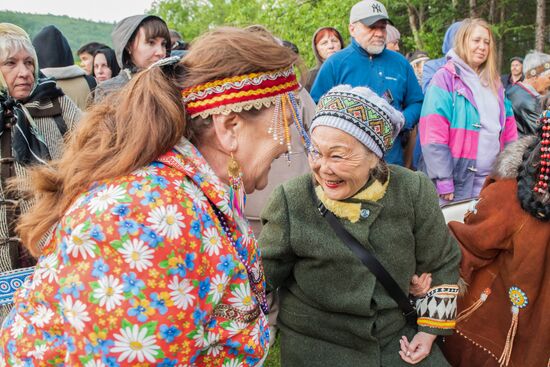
point(141, 272)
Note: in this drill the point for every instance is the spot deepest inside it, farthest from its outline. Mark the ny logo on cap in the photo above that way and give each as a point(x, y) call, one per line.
point(376, 8)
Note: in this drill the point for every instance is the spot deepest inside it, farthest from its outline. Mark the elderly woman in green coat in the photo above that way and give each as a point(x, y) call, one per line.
point(333, 309)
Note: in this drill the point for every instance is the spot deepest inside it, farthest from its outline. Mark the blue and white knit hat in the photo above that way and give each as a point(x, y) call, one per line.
point(361, 113)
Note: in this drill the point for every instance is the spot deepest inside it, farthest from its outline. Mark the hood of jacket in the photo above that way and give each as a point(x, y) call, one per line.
point(317, 57)
point(449, 39)
point(65, 72)
point(123, 32)
point(52, 48)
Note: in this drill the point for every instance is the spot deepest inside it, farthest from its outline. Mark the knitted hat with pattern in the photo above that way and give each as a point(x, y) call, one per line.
point(361, 113)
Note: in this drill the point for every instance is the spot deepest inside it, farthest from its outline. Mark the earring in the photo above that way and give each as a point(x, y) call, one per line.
point(237, 195)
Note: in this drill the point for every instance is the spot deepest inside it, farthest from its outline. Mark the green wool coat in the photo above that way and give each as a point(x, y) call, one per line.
point(333, 312)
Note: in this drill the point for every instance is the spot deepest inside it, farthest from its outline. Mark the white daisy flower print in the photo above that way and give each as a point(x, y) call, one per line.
point(196, 194)
point(38, 352)
point(76, 313)
point(219, 283)
point(47, 268)
point(137, 254)
point(233, 363)
point(242, 297)
point(76, 205)
point(211, 241)
point(42, 316)
point(181, 293)
point(18, 326)
point(80, 243)
point(167, 221)
point(235, 327)
point(95, 363)
point(200, 339)
point(103, 198)
point(214, 347)
point(255, 334)
point(133, 343)
point(109, 292)
point(146, 171)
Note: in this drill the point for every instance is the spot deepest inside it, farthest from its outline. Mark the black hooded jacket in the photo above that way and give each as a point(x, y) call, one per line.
point(52, 48)
point(55, 60)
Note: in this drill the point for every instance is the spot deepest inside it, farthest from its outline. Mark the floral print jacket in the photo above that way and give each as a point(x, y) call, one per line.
point(152, 268)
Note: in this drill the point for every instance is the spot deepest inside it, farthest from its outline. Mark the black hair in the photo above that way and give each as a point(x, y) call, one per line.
point(534, 203)
point(292, 46)
point(110, 56)
point(90, 48)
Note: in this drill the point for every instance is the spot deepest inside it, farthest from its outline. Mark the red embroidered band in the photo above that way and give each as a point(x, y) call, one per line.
point(238, 93)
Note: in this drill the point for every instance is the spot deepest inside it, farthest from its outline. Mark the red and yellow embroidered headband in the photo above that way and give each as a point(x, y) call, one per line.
point(238, 93)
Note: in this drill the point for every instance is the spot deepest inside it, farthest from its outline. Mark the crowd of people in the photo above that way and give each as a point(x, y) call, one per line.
point(166, 203)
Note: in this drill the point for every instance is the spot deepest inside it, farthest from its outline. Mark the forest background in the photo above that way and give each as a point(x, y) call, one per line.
point(519, 25)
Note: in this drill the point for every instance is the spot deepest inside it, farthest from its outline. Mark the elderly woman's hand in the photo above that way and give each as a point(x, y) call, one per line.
point(418, 349)
point(420, 284)
point(448, 197)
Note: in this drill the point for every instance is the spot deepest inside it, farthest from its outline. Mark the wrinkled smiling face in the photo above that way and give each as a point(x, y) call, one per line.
point(372, 39)
point(18, 72)
point(340, 163)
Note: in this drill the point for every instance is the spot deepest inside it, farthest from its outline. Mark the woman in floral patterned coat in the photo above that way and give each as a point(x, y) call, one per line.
point(151, 261)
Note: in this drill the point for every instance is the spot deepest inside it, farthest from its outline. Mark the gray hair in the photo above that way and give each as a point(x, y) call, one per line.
point(12, 43)
point(392, 34)
point(534, 59)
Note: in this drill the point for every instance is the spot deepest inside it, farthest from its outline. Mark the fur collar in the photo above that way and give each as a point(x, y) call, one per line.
point(352, 210)
point(509, 160)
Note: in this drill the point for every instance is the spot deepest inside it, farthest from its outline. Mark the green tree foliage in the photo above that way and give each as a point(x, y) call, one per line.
point(77, 31)
point(297, 20)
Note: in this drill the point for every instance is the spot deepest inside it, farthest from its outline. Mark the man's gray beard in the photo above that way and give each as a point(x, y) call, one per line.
point(375, 50)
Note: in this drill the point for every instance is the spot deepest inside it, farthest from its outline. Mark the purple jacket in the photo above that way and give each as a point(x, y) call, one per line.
point(449, 132)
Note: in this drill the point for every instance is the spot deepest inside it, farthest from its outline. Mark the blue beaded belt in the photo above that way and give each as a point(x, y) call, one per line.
point(10, 281)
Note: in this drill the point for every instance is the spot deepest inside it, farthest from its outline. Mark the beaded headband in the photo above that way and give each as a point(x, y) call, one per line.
point(238, 93)
point(531, 73)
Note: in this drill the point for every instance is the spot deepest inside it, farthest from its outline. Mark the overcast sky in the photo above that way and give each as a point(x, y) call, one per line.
point(98, 10)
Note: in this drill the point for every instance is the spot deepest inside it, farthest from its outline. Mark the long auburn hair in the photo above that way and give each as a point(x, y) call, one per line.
point(145, 119)
point(488, 71)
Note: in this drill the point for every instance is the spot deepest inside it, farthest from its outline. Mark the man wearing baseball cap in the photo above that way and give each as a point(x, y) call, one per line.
point(366, 62)
point(516, 73)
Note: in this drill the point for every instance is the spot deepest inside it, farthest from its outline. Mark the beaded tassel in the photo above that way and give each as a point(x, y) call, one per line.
point(275, 120)
point(299, 122)
point(237, 194)
point(541, 186)
point(464, 314)
point(285, 101)
point(519, 300)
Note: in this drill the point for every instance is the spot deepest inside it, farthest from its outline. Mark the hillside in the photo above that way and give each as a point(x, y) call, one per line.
point(77, 31)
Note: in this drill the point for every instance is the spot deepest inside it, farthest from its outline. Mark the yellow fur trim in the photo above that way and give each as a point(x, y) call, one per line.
point(352, 211)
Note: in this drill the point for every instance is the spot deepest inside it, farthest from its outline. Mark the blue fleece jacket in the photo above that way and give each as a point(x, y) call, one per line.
point(388, 71)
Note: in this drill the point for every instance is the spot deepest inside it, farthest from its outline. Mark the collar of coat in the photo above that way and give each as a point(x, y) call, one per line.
point(350, 209)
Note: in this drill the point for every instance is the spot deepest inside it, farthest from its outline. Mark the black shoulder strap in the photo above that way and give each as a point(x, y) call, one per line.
point(61, 125)
point(372, 264)
point(92, 83)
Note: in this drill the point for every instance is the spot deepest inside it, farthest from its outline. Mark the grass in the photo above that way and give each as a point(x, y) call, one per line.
point(274, 356)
